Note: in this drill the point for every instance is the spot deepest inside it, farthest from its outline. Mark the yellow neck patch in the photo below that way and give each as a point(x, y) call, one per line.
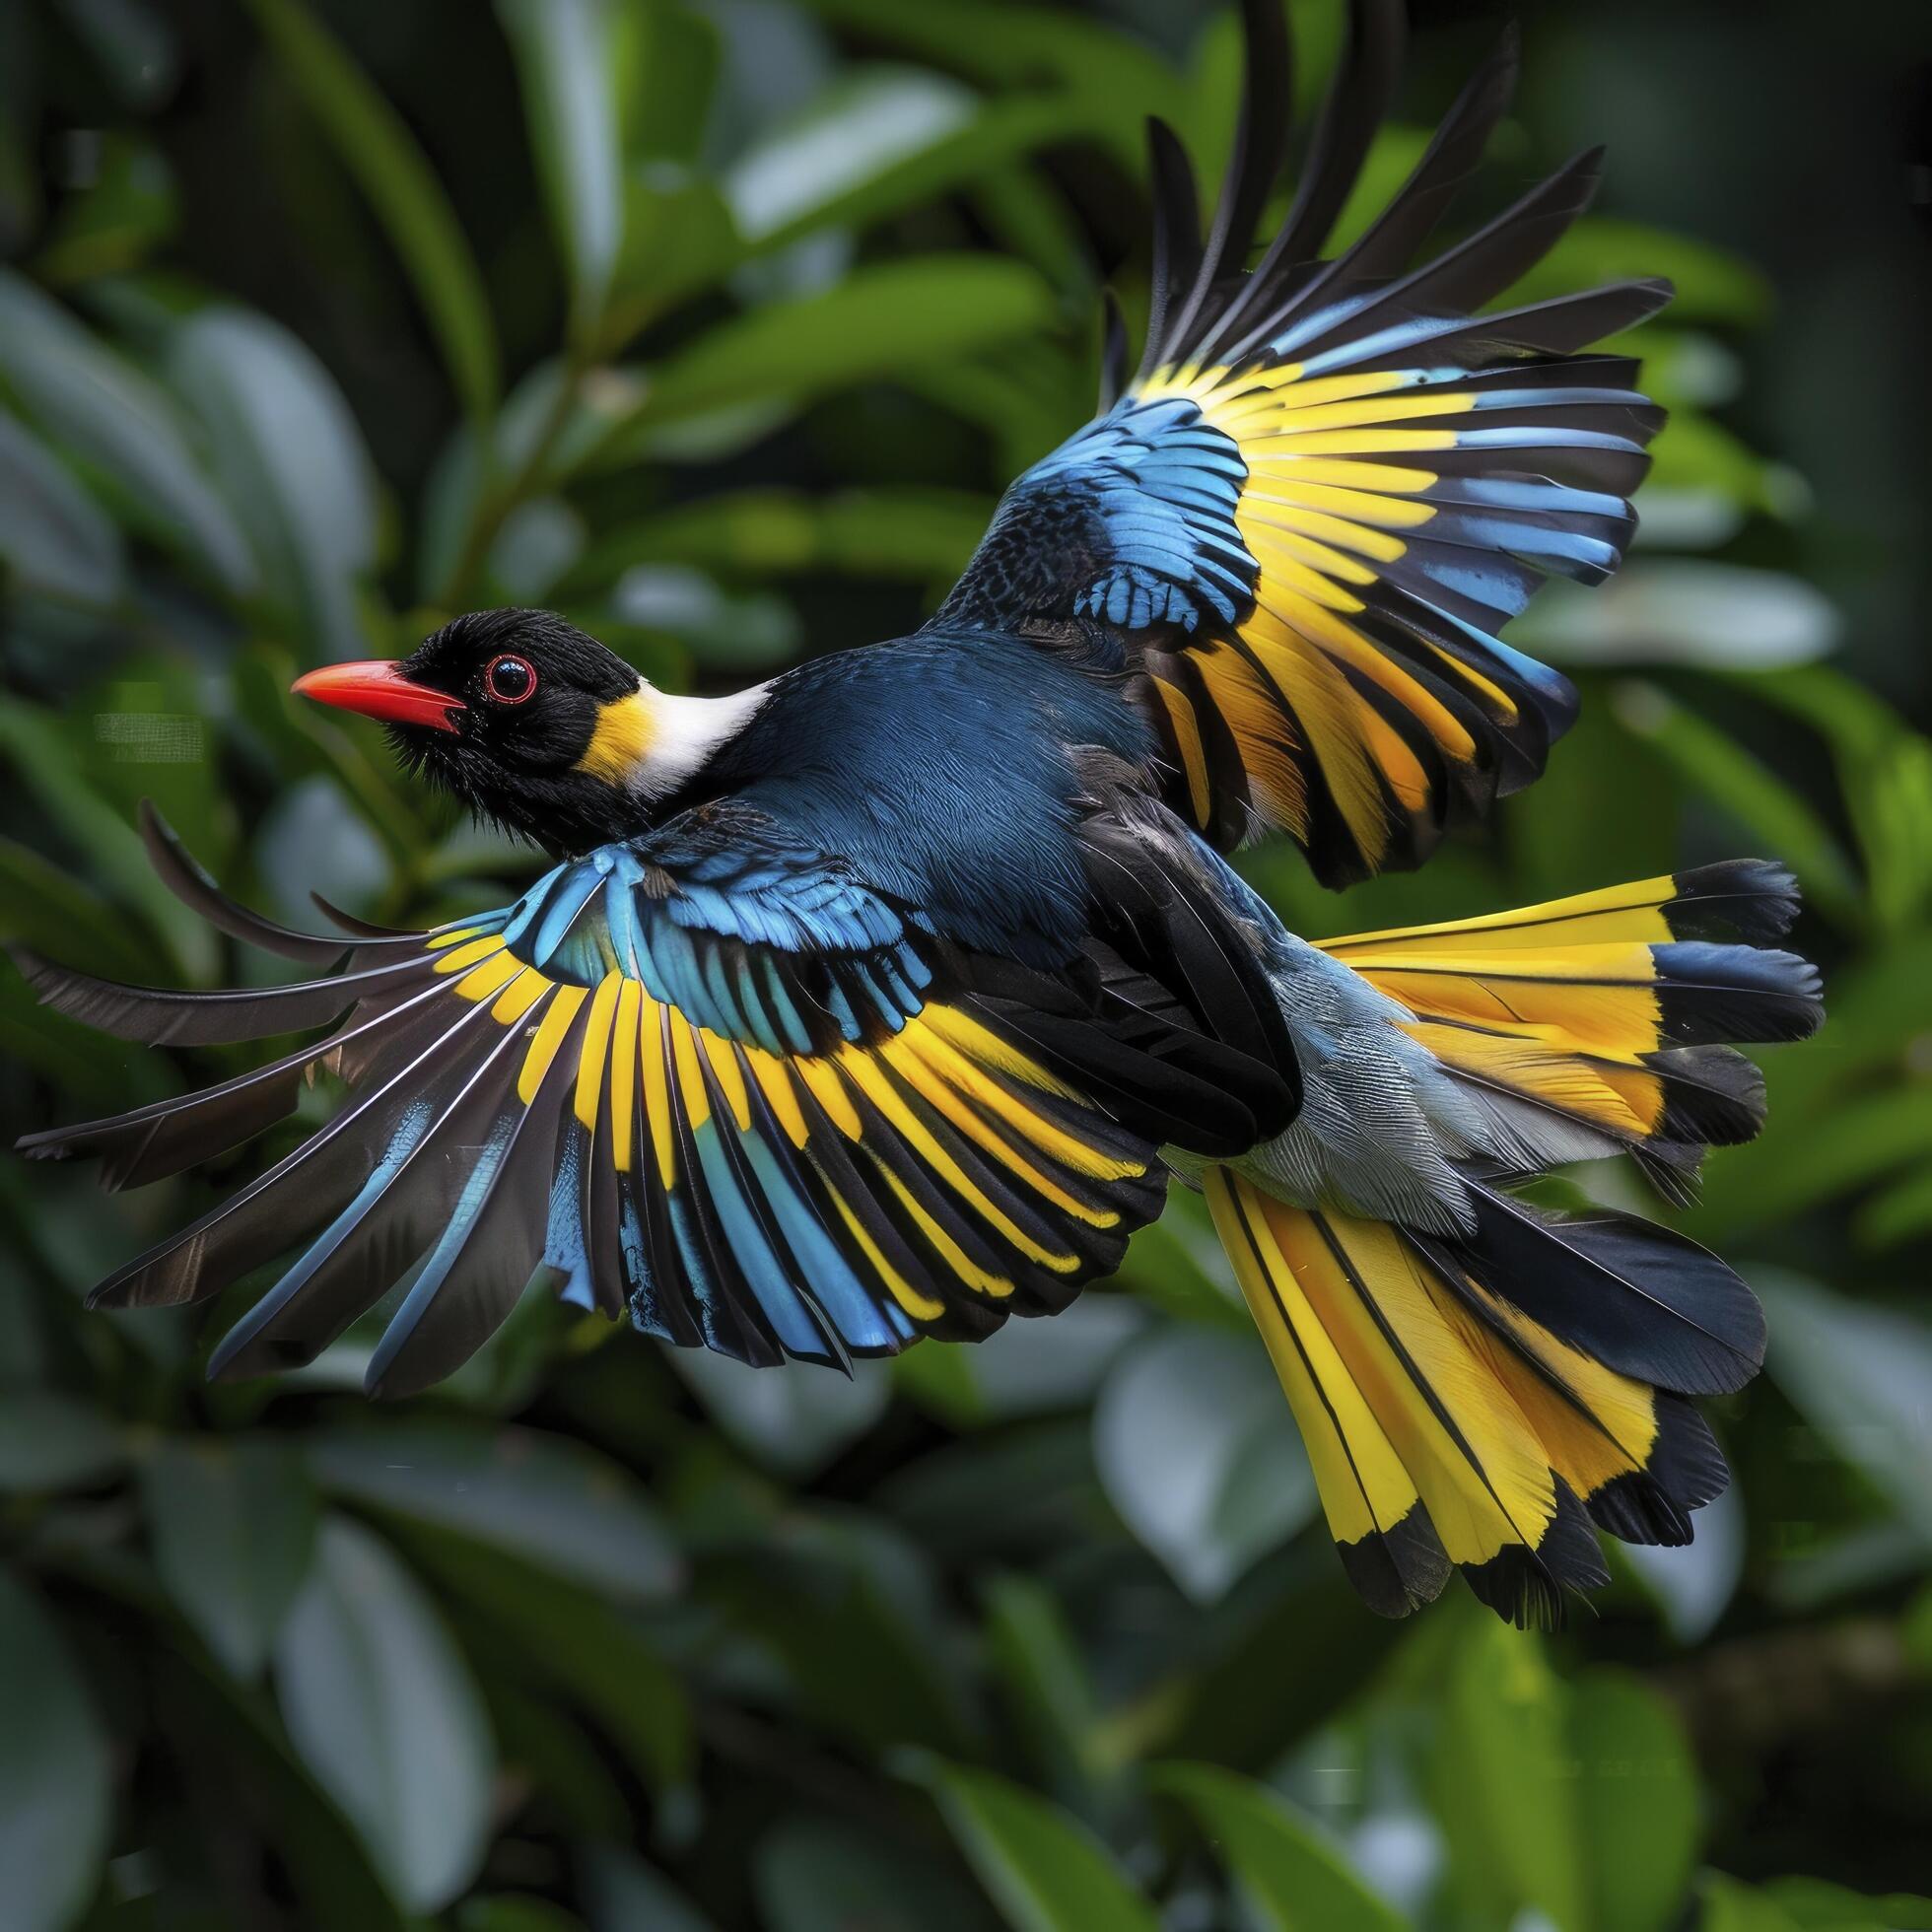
point(623, 736)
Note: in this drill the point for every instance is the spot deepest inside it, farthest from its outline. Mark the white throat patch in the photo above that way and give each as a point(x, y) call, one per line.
point(654, 741)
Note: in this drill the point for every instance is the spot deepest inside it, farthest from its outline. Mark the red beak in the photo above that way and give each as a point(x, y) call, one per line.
point(378, 689)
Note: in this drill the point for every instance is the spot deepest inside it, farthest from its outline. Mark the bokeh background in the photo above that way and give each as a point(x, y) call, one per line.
point(719, 324)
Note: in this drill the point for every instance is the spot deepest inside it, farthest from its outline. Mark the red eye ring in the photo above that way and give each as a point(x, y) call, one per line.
point(514, 664)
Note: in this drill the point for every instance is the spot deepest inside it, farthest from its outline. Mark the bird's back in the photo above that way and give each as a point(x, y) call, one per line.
point(951, 769)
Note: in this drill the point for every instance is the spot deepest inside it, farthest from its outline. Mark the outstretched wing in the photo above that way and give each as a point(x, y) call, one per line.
point(708, 1076)
point(1331, 483)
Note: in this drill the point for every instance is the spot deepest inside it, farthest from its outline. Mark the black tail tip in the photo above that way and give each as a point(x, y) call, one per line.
point(1755, 899)
point(1529, 1588)
point(1712, 993)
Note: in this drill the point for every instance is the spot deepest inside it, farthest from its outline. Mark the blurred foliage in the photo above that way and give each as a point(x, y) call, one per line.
point(718, 327)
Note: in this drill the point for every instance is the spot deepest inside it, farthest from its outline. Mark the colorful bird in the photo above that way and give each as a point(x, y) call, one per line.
point(883, 1000)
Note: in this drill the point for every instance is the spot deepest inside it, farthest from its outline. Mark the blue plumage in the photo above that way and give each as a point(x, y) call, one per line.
point(888, 756)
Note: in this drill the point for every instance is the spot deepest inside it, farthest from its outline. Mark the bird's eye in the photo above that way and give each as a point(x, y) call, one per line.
point(509, 680)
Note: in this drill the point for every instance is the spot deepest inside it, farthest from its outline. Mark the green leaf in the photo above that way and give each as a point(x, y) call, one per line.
point(1702, 479)
point(32, 741)
point(1871, 1136)
point(576, 1642)
point(50, 910)
point(795, 1423)
point(1878, 1013)
point(1030, 1370)
point(1029, 396)
point(876, 322)
point(1729, 1907)
point(1692, 1583)
point(1291, 1878)
point(506, 1911)
point(150, 733)
point(1549, 828)
point(795, 175)
point(1861, 1376)
point(1197, 1450)
point(50, 1442)
point(540, 539)
point(918, 535)
point(267, 1788)
point(1898, 1213)
point(1025, 220)
point(1306, 1610)
point(812, 1876)
point(1176, 1264)
point(678, 237)
point(668, 61)
point(622, 1893)
point(725, 633)
point(233, 1523)
point(548, 1500)
point(301, 739)
point(292, 460)
point(128, 209)
point(376, 146)
point(1817, 1905)
point(1502, 1782)
point(1044, 1870)
point(937, 1377)
point(1543, 1787)
point(563, 50)
point(54, 1789)
point(573, 1775)
point(1783, 825)
point(1885, 768)
point(1039, 1665)
point(1681, 611)
point(1104, 83)
point(1713, 285)
point(89, 400)
point(1636, 1788)
point(384, 1711)
point(54, 537)
point(839, 1598)
point(312, 840)
point(878, 141)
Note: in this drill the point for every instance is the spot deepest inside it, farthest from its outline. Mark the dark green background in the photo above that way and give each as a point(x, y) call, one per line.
point(312, 332)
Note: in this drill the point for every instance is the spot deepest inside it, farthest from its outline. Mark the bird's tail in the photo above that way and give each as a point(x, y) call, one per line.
point(1486, 1400)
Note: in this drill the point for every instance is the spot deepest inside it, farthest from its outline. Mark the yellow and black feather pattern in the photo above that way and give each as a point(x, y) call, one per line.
point(1330, 485)
point(1613, 1009)
point(1477, 1400)
point(742, 1102)
point(806, 1204)
point(1450, 1428)
point(1396, 518)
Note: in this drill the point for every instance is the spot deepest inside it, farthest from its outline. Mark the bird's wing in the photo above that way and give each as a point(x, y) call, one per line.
point(708, 1076)
point(1331, 483)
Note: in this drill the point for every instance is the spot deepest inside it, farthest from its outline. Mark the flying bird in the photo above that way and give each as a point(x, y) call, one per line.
point(884, 1000)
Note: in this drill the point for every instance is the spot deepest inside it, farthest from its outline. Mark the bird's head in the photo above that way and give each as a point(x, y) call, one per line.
point(533, 724)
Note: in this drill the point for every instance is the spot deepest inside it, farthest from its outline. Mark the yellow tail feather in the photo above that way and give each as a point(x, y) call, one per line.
point(1446, 1428)
point(1609, 1009)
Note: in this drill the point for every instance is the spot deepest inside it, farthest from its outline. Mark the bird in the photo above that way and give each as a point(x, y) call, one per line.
point(888, 998)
